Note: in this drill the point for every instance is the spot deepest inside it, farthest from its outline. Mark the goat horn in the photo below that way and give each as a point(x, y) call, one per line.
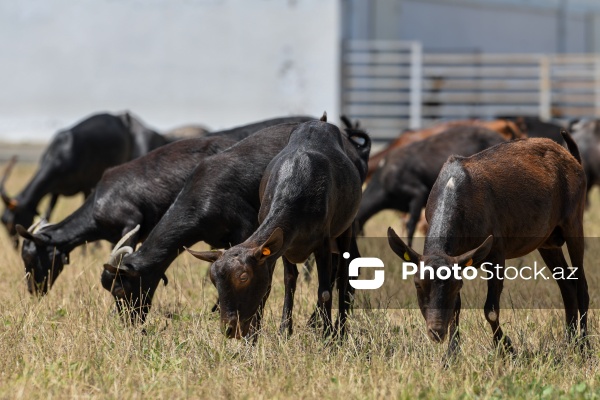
point(5, 197)
point(38, 226)
point(114, 256)
point(117, 251)
point(34, 226)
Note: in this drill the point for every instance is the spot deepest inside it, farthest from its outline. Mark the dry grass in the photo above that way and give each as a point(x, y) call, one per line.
point(70, 344)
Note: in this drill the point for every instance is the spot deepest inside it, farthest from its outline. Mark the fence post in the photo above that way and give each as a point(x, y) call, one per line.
point(545, 89)
point(416, 77)
point(597, 87)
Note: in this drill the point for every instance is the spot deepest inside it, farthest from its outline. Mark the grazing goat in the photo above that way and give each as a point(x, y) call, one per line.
point(138, 192)
point(587, 136)
point(219, 205)
point(75, 161)
point(310, 194)
point(507, 129)
point(534, 127)
point(404, 181)
point(502, 203)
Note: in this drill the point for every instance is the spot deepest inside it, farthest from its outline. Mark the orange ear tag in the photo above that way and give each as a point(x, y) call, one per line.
point(12, 205)
point(469, 263)
point(266, 251)
point(406, 256)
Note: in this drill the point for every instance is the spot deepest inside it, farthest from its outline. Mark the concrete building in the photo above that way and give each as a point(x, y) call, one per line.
point(227, 62)
point(496, 26)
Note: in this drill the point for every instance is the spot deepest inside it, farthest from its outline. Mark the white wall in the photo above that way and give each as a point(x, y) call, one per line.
point(215, 62)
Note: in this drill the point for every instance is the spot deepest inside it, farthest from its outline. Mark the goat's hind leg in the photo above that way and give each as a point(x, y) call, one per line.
point(576, 245)
point(290, 278)
point(555, 260)
point(346, 244)
point(323, 258)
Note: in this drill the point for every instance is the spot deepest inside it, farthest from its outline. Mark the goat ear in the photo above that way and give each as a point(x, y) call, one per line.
point(400, 248)
point(324, 117)
point(273, 244)
point(122, 270)
point(475, 256)
point(110, 268)
point(210, 256)
point(37, 238)
point(24, 233)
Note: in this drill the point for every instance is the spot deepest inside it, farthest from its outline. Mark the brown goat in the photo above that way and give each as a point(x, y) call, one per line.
point(507, 129)
point(522, 196)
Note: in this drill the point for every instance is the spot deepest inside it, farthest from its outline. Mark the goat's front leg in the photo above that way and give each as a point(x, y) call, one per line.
point(492, 308)
point(51, 205)
point(256, 322)
point(454, 343)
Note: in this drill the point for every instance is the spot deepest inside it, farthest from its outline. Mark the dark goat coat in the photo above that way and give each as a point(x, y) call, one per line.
point(587, 136)
point(404, 181)
point(138, 192)
point(218, 204)
point(534, 127)
point(310, 194)
point(77, 157)
point(242, 132)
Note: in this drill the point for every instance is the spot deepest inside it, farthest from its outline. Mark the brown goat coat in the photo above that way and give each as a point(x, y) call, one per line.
point(529, 194)
point(506, 129)
point(536, 167)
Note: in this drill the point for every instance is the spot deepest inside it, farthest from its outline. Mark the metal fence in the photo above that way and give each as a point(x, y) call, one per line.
point(393, 85)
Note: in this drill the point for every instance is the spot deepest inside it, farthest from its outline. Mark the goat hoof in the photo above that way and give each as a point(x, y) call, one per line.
point(312, 321)
point(505, 345)
point(286, 330)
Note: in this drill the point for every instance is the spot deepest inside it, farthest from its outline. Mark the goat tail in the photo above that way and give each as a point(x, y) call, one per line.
point(572, 146)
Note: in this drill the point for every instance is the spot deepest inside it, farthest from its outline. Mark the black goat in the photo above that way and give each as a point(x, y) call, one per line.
point(219, 205)
point(138, 192)
point(75, 161)
point(310, 194)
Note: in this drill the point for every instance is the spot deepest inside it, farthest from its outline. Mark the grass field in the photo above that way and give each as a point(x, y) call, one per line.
point(71, 344)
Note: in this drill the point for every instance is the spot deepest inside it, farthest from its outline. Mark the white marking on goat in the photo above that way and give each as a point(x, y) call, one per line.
point(346, 255)
point(492, 316)
point(436, 225)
